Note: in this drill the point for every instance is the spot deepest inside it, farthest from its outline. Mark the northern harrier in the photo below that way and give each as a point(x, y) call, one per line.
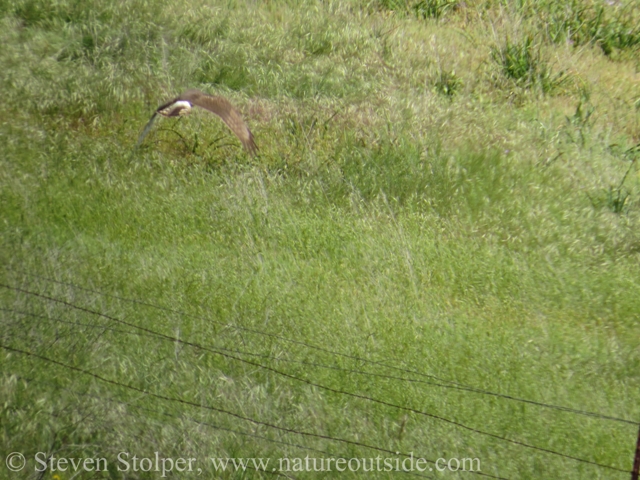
point(220, 106)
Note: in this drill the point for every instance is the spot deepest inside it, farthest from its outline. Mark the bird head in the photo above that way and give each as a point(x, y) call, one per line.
point(175, 109)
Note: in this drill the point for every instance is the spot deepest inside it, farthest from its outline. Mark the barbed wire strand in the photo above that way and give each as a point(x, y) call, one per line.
point(447, 383)
point(221, 410)
point(323, 387)
point(193, 420)
point(276, 359)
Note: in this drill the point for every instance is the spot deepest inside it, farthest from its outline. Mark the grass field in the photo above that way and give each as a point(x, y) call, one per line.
point(437, 246)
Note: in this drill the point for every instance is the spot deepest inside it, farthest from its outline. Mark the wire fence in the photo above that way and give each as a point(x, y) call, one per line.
point(67, 312)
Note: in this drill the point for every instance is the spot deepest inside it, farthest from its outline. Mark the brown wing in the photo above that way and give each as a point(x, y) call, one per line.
point(229, 115)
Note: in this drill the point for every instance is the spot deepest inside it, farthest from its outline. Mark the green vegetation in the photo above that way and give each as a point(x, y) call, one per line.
point(446, 192)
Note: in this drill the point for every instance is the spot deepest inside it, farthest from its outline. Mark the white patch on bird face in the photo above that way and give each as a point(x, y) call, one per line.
point(183, 104)
point(181, 107)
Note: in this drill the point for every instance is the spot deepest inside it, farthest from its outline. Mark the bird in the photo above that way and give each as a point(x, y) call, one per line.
point(181, 106)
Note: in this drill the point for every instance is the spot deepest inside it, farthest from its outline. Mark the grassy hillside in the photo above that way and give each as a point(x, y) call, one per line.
point(436, 251)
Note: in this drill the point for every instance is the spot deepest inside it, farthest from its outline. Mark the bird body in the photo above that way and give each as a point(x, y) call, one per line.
point(181, 106)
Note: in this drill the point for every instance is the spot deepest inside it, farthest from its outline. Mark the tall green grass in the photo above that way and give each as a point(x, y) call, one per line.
point(428, 197)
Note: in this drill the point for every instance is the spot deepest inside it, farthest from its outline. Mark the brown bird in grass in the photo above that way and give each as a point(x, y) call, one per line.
point(219, 105)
